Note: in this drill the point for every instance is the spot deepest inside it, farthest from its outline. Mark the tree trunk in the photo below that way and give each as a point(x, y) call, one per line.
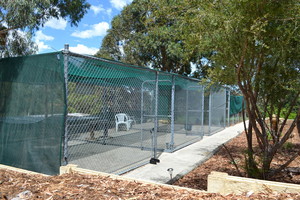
point(165, 61)
point(298, 125)
point(3, 39)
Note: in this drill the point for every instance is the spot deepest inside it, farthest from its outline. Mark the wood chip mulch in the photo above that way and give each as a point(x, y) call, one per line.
point(222, 162)
point(19, 186)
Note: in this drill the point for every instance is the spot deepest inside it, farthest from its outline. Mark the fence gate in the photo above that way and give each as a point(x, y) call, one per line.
point(156, 116)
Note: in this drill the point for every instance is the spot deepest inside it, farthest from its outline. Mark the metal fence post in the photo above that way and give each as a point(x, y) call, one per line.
point(234, 119)
point(171, 146)
point(142, 113)
point(234, 116)
point(202, 112)
point(225, 108)
point(228, 107)
point(209, 111)
point(66, 60)
point(186, 110)
point(156, 117)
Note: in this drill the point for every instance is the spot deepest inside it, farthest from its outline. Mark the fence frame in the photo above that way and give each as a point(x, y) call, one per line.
point(65, 139)
point(171, 145)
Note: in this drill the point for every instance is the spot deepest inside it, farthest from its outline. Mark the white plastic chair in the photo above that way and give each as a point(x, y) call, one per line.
point(122, 118)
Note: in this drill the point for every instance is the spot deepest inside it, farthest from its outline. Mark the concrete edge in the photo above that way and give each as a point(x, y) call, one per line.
point(185, 172)
point(222, 183)
point(71, 168)
point(15, 169)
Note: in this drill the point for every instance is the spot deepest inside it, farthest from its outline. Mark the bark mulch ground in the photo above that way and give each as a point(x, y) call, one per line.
point(19, 186)
point(222, 162)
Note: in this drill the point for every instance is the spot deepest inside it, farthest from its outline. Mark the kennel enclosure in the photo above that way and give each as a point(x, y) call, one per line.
point(63, 107)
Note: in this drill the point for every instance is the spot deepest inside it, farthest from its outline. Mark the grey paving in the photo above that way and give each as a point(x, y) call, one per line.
point(186, 159)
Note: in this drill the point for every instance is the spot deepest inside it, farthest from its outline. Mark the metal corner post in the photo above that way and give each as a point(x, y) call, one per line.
point(171, 146)
point(155, 119)
point(66, 61)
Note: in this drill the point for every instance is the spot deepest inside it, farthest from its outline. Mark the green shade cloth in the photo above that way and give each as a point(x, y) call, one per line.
point(236, 104)
point(32, 110)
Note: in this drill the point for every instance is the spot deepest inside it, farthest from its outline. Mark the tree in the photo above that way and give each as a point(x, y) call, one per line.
point(256, 45)
point(147, 33)
point(28, 16)
point(19, 43)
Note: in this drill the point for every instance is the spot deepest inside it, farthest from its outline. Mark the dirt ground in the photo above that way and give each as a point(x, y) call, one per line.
point(222, 162)
point(18, 186)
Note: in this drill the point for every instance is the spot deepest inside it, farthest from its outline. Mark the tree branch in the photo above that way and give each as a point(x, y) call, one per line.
point(8, 29)
point(232, 159)
point(285, 164)
point(286, 135)
point(248, 131)
point(259, 67)
point(289, 112)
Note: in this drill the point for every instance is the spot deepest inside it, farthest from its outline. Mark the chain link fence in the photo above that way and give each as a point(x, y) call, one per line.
point(100, 114)
point(217, 110)
point(121, 116)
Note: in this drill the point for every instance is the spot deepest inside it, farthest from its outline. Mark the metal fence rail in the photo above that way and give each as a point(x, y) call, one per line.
point(121, 116)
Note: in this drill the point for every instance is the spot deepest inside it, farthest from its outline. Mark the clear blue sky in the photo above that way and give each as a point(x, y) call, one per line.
point(87, 37)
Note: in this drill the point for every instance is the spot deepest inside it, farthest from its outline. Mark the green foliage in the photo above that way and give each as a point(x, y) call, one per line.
point(256, 46)
point(288, 146)
point(284, 112)
point(33, 14)
point(29, 16)
point(84, 104)
point(18, 44)
point(148, 33)
point(251, 166)
point(227, 26)
point(269, 136)
point(87, 101)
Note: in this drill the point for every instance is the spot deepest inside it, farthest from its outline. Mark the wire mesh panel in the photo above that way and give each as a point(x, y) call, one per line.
point(188, 113)
point(148, 104)
point(104, 115)
point(206, 110)
point(164, 96)
point(155, 112)
point(195, 110)
point(218, 112)
point(180, 112)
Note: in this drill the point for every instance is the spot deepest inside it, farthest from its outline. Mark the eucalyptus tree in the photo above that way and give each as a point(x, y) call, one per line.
point(17, 43)
point(147, 33)
point(256, 45)
point(28, 16)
